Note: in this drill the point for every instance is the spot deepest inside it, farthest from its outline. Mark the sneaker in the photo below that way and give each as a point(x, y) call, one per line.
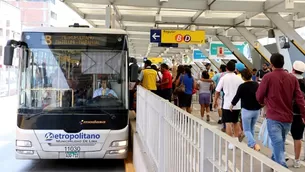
point(241, 137)
point(257, 147)
point(231, 147)
point(219, 121)
point(208, 118)
point(296, 163)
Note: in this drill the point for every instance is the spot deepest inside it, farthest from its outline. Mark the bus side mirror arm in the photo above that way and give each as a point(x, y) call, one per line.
point(9, 51)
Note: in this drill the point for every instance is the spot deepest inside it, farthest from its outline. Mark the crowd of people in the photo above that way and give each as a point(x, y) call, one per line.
point(240, 96)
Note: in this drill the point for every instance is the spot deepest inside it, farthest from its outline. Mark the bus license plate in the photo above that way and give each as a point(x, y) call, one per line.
point(72, 155)
point(72, 152)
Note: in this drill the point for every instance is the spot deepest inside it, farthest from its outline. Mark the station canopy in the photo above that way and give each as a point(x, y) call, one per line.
point(216, 17)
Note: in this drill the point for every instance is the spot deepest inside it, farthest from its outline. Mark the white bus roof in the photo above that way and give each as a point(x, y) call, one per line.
point(74, 30)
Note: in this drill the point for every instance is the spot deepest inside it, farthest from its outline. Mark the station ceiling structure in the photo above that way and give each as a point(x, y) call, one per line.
point(216, 17)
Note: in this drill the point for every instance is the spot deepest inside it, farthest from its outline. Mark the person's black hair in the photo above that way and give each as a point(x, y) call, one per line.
point(205, 75)
point(231, 66)
point(190, 66)
point(277, 60)
point(298, 72)
point(246, 74)
point(188, 72)
point(180, 70)
point(223, 68)
point(163, 65)
point(208, 64)
point(147, 62)
point(235, 61)
point(254, 70)
point(154, 67)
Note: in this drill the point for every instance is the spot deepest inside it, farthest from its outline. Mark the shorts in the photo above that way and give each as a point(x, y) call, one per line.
point(185, 100)
point(230, 117)
point(204, 98)
point(297, 127)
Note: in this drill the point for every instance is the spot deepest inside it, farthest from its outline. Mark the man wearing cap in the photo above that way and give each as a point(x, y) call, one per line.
point(278, 90)
point(148, 77)
point(297, 126)
point(239, 68)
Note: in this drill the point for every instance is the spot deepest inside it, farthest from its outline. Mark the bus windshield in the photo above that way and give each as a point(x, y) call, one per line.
point(73, 71)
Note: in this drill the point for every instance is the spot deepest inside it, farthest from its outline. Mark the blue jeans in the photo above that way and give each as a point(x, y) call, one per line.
point(249, 118)
point(277, 132)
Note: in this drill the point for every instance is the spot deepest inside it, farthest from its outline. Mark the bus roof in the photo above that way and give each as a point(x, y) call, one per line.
point(75, 30)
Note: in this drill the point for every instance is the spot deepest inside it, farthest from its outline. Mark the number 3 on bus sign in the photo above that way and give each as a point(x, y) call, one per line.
point(48, 39)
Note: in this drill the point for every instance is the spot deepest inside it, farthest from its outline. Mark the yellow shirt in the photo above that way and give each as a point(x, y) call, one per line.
point(211, 74)
point(149, 79)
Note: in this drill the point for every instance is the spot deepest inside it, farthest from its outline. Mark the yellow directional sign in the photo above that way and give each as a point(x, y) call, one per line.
point(155, 60)
point(183, 36)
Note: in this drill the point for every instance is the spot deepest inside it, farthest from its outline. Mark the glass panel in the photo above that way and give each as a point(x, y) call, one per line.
point(73, 71)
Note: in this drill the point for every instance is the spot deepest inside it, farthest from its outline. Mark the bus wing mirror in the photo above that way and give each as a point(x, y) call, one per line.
point(8, 55)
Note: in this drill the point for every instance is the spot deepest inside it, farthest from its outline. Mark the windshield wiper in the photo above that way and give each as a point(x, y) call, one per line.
point(28, 117)
point(109, 114)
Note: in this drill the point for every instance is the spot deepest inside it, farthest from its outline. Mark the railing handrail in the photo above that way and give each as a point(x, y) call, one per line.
point(237, 144)
point(243, 147)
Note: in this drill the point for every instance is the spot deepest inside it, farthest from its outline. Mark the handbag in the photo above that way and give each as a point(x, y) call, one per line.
point(180, 88)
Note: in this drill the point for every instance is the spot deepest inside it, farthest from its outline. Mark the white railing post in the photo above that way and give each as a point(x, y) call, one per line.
point(161, 137)
point(206, 150)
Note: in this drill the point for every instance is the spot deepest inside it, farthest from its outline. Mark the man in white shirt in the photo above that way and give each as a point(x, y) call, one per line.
point(104, 91)
point(229, 83)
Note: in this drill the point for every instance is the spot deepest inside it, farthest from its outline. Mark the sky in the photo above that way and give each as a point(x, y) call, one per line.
point(64, 14)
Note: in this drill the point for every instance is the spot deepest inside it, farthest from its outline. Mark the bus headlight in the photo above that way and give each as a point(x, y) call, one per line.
point(119, 143)
point(23, 143)
point(121, 151)
point(29, 152)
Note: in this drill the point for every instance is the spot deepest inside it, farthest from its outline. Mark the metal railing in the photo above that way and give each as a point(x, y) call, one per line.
point(176, 141)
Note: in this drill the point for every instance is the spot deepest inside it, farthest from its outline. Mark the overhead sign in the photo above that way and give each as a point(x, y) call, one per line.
point(219, 51)
point(183, 36)
point(177, 36)
point(155, 35)
point(155, 60)
point(198, 56)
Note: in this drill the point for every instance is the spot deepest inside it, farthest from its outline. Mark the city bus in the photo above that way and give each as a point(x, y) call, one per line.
point(73, 93)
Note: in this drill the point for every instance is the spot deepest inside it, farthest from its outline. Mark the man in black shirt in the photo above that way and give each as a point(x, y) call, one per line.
point(260, 74)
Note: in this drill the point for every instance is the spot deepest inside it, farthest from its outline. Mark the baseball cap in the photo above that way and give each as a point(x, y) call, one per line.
point(239, 66)
point(299, 66)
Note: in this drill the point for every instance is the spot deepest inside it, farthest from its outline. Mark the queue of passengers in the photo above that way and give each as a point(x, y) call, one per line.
point(240, 96)
point(283, 95)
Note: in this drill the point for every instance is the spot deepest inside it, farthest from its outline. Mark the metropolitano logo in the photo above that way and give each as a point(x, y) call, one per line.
point(49, 136)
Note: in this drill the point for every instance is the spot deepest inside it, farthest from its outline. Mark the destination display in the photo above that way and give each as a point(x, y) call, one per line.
point(75, 41)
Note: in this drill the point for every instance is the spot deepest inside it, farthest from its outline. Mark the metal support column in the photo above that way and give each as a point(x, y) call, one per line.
point(108, 17)
point(204, 52)
point(252, 40)
point(235, 51)
point(287, 30)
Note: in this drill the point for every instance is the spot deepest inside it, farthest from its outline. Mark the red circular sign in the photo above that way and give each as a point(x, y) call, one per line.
point(179, 38)
point(187, 38)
